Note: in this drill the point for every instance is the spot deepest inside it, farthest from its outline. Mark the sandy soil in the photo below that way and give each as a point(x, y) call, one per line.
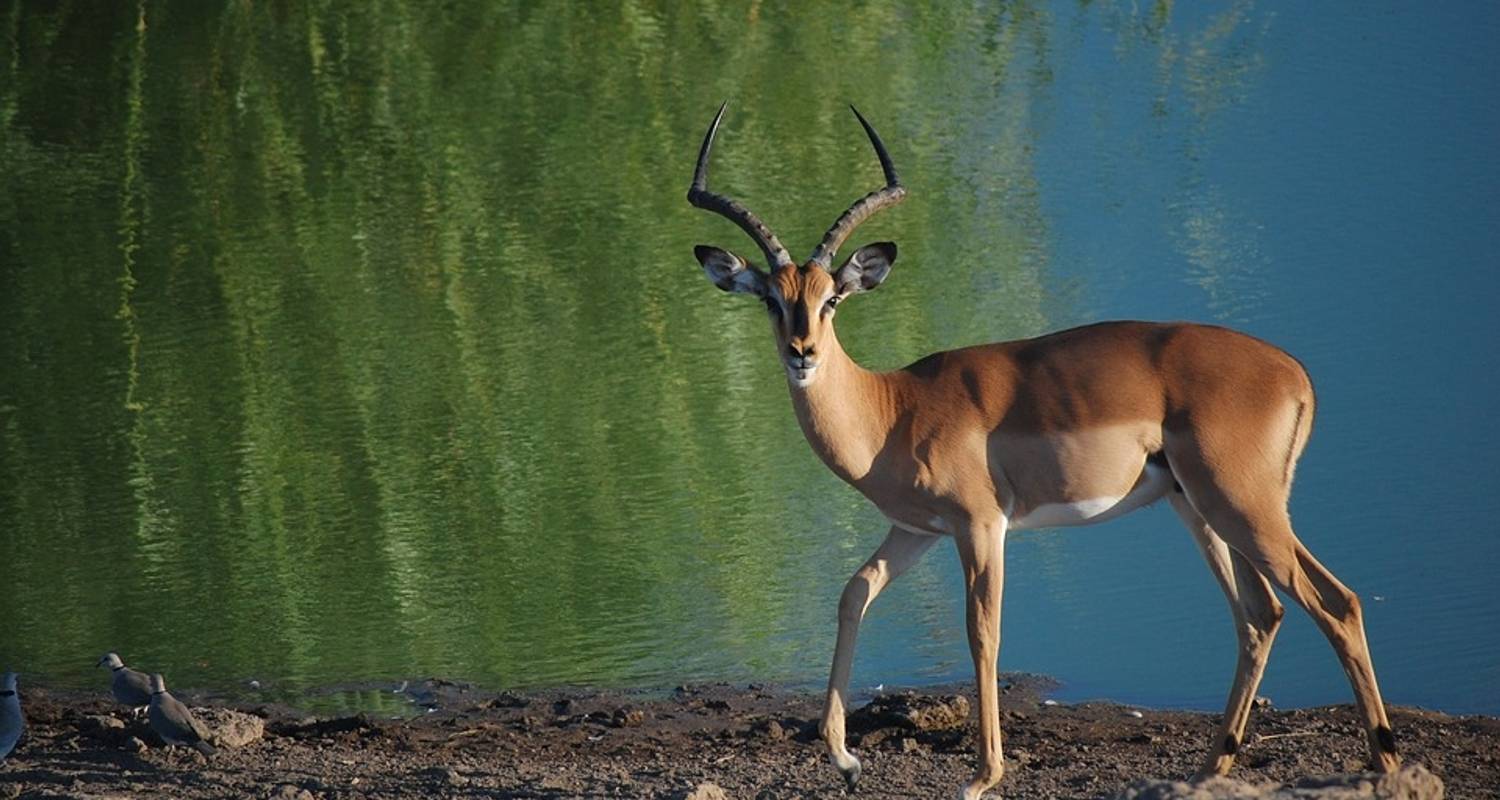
point(754, 742)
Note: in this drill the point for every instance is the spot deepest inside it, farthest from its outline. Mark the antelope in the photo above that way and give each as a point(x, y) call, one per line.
point(1071, 428)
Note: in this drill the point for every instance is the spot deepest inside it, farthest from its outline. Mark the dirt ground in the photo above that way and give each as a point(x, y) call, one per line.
point(754, 742)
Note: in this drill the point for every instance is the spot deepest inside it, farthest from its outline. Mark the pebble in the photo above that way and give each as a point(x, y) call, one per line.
point(628, 717)
point(707, 790)
point(445, 775)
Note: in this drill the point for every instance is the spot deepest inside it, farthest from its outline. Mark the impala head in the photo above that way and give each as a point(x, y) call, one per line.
point(800, 300)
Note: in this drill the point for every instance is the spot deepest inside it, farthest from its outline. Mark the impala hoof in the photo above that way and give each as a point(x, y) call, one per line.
point(848, 766)
point(851, 776)
point(980, 785)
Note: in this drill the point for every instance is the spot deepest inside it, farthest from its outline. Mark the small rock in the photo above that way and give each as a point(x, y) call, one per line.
point(507, 700)
point(103, 728)
point(627, 718)
point(288, 791)
point(447, 776)
point(101, 722)
point(228, 728)
point(773, 730)
point(706, 791)
point(914, 712)
point(1049, 702)
point(1261, 701)
point(910, 745)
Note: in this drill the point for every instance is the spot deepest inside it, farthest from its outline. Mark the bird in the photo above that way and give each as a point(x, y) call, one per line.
point(129, 687)
point(173, 722)
point(12, 721)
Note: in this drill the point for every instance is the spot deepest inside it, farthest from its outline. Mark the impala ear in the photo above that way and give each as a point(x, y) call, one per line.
point(730, 272)
point(866, 268)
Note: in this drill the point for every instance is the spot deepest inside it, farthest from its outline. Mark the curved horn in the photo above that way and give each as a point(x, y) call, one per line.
point(700, 196)
point(865, 206)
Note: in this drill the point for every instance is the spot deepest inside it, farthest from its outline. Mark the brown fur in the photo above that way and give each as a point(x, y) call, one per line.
point(963, 442)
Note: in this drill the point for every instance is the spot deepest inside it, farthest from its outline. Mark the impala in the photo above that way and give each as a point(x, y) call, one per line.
point(1071, 428)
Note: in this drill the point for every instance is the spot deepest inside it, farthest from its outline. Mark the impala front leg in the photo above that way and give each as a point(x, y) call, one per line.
point(896, 554)
point(982, 552)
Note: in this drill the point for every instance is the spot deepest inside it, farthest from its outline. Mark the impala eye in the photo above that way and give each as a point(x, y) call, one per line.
point(832, 301)
point(772, 306)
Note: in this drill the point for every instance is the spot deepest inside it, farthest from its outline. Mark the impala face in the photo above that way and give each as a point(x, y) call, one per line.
point(800, 301)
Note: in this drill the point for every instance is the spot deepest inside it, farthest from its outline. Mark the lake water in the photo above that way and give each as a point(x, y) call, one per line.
point(366, 342)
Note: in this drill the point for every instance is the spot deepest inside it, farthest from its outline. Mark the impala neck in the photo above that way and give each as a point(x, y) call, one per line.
point(846, 412)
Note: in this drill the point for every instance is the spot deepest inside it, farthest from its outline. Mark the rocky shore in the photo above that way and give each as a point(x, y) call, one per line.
point(720, 741)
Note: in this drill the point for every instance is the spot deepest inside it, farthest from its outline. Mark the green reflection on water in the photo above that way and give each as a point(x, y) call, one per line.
point(363, 340)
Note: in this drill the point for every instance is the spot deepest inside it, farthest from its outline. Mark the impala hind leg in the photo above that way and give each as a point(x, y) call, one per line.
point(1247, 508)
point(896, 554)
point(1336, 611)
point(1257, 614)
point(982, 553)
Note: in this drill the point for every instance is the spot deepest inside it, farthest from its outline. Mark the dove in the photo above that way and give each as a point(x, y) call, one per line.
point(173, 722)
point(12, 722)
point(129, 687)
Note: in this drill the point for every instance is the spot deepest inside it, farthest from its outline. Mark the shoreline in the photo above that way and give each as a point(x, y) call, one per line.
point(752, 741)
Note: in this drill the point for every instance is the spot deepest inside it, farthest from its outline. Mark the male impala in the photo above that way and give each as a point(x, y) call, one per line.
point(1071, 428)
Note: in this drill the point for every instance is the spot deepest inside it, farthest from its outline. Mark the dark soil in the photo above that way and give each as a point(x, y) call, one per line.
point(753, 742)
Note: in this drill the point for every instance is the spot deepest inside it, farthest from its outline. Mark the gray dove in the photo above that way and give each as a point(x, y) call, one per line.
point(129, 687)
point(12, 722)
point(173, 722)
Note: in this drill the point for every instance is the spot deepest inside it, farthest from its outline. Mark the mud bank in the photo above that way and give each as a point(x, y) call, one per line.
point(751, 742)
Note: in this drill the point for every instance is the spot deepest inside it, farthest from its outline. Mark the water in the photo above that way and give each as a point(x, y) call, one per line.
point(366, 342)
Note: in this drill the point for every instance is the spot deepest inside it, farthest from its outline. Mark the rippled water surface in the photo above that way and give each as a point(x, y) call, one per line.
point(364, 341)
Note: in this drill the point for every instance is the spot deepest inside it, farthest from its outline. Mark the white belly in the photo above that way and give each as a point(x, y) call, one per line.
point(1154, 484)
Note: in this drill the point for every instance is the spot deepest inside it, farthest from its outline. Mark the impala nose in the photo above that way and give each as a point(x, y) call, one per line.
point(799, 353)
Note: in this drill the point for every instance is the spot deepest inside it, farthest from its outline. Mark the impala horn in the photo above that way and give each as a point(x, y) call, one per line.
point(890, 195)
point(700, 196)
